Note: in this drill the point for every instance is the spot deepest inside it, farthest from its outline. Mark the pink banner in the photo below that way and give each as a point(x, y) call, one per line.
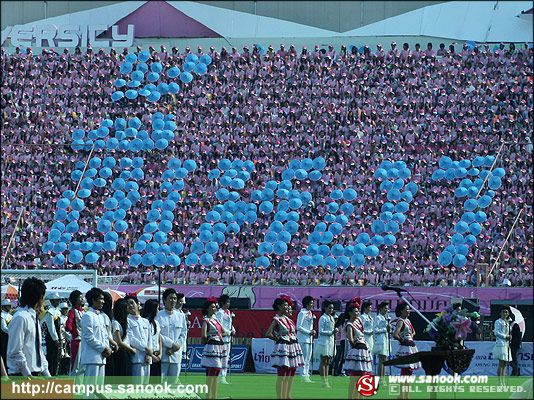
point(424, 298)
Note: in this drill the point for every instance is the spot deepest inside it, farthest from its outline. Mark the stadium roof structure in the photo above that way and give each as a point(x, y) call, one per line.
point(182, 19)
point(479, 21)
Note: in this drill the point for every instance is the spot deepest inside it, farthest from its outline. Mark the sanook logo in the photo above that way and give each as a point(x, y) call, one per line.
point(367, 385)
point(69, 36)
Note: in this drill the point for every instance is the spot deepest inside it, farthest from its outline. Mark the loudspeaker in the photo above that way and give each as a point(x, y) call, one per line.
point(471, 305)
point(236, 303)
point(239, 303)
point(194, 303)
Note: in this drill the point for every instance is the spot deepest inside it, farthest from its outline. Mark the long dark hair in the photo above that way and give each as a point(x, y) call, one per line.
point(120, 313)
point(149, 311)
point(108, 305)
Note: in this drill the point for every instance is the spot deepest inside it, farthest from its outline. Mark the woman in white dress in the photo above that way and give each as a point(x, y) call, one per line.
point(325, 341)
point(149, 312)
point(501, 350)
point(358, 361)
point(214, 352)
point(368, 323)
point(381, 336)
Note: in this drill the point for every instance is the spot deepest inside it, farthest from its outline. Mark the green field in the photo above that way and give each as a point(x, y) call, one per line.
point(262, 386)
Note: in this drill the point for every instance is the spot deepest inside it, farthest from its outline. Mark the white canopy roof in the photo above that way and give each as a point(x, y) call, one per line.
point(479, 21)
point(67, 284)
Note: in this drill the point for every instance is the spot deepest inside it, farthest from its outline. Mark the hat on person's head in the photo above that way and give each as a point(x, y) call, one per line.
point(63, 305)
point(6, 302)
point(475, 315)
point(53, 296)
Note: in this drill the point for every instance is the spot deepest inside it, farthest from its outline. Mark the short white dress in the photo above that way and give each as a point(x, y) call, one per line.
point(501, 350)
point(214, 352)
point(325, 344)
point(358, 358)
point(407, 345)
point(286, 351)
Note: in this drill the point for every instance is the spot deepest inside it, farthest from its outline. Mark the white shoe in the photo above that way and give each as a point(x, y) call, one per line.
point(306, 379)
point(223, 381)
point(326, 385)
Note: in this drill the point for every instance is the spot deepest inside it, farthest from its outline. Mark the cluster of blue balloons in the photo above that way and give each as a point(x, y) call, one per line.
point(473, 217)
point(393, 176)
point(305, 169)
point(159, 219)
point(127, 136)
point(231, 175)
point(70, 205)
point(136, 68)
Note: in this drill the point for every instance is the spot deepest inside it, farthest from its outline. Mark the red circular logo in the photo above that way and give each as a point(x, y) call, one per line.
point(367, 385)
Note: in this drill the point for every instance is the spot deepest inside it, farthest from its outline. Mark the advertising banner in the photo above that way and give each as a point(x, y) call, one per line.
point(194, 356)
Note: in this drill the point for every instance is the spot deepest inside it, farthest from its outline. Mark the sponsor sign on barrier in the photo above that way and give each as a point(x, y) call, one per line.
point(194, 356)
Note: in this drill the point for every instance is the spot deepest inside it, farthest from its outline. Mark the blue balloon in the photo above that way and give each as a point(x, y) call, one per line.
point(445, 258)
point(363, 238)
point(459, 260)
point(475, 228)
point(262, 262)
point(480, 217)
point(461, 227)
point(470, 204)
point(484, 201)
point(445, 162)
point(186, 77)
point(135, 260)
point(392, 227)
point(389, 240)
point(457, 239)
point(357, 260)
point(75, 257)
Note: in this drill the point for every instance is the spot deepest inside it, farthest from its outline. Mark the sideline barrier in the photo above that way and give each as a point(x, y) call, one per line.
point(482, 363)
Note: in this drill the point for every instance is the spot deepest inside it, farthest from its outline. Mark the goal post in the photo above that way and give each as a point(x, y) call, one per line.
point(16, 276)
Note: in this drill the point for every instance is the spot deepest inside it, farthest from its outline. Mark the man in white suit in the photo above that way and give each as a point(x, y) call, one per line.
point(173, 332)
point(305, 334)
point(139, 333)
point(94, 347)
point(226, 318)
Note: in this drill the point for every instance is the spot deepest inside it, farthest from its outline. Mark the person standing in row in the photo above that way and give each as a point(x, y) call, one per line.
point(107, 313)
point(515, 344)
point(25, 355)
point(501, 350)
point(404, 333)
point(64, 338)
point(325, 341)
point(287, 354)
point(150, 312)
point(368, 323)
point(225, 317)
point(358, 361)
point(73, 326)
point(381, 346)
point(51, 322)
point(214, 353)
point(140, 340)
point(121, 358)
point(94, 346)
point(305, 334)
point(6, 319)
point(173, 332)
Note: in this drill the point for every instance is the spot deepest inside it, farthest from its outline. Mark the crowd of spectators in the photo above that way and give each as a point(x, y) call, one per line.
point(353, 109)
